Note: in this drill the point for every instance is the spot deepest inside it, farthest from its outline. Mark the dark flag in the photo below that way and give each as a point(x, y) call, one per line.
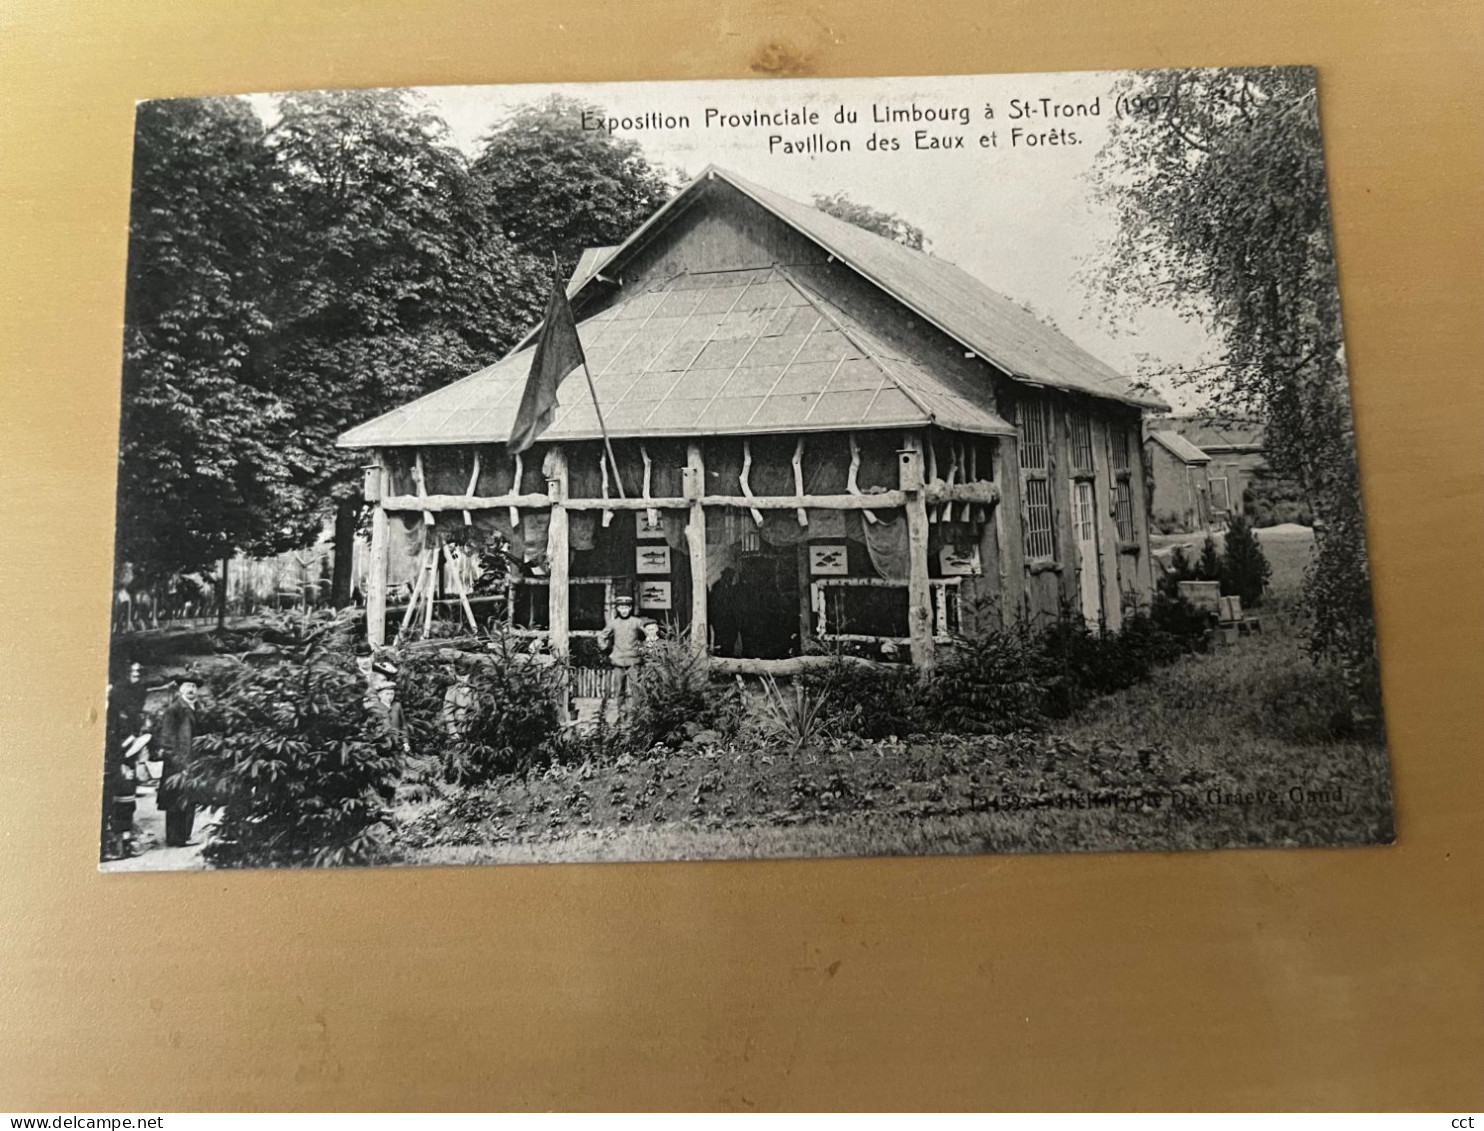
point(558, 352)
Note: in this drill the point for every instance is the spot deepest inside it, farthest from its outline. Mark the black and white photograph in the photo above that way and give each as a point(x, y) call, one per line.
point(737, 469)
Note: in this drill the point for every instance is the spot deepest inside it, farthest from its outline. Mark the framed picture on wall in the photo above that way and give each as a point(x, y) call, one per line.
point(652, 559)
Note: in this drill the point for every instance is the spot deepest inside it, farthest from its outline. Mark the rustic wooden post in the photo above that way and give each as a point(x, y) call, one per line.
point(1138, 489)
point(1106, 529)
point(558, 558)
point(695, 539)
point(919, 595)
point(375, 489)
point(1009, 525)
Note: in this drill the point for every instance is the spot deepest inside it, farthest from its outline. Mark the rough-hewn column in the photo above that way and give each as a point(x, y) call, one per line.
point(1008, 531)
point(376, 567)
point(558, 557)
point(695, 539)
point(1105, 528)
point(919, 595)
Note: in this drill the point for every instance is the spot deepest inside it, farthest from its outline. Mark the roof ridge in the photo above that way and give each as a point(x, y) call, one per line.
point(820, 303)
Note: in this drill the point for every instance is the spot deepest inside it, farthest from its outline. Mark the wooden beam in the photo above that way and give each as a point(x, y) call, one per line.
point(794, 665)
point(695, 538)
point(458, 583)
point(558, 558)
point(975, 492)
point(962, 492)
point(377, 566)
point(919, 594)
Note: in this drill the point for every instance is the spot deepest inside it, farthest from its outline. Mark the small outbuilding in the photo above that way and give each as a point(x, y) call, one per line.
point(825, 439)
point(1180, 493)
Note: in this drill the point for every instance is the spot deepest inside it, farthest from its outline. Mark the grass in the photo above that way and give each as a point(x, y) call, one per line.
point(1244, 746)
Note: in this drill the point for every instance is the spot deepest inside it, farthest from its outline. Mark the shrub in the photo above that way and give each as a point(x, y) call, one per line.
point(1244, 567)
point(797, 717)
point(1308, 703)
point(675, 697)
point(516, 710)
point(1208, 567)
point(1176, 620)
point(302, 769)
point(1271, 501)
point(992, 683)
point(870, 702)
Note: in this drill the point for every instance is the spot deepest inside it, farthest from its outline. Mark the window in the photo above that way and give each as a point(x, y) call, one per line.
point(1221, 499)
point(1035, 478)
point(1123, 509)
point(1081, 444)
point(1123, 488)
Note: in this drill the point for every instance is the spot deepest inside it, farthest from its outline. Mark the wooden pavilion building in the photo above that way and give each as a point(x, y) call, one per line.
point(825, 438)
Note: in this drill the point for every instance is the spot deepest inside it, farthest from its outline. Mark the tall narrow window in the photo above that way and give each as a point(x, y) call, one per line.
point(1035, 476)
point(1081, 444)
point(1123, 490)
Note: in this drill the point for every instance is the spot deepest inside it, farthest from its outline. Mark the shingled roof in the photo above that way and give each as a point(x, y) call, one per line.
point(706, 353)
point(653, 387)
point(1179, 447)
point(962, 306)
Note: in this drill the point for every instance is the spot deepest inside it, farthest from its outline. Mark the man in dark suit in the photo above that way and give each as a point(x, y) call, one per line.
point(177, 732)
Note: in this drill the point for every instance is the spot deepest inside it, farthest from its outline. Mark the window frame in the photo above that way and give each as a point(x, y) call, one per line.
point(1121, 466)
point(1031, 440)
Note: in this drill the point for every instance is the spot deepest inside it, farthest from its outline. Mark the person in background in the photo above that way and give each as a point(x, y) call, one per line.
point(177, 734)
point(126, 739)
point(623, 639)
point(385, 701)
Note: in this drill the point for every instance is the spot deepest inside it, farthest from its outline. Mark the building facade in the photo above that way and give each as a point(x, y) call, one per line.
point(822, 439)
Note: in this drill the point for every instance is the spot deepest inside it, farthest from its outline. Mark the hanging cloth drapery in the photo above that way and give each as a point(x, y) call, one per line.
point(887, 543)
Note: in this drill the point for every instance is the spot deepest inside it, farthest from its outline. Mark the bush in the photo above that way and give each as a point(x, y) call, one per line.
point(1080, 662)
point(1244, 567)
point(1208, 567)
point(302, 769)
point(675, 698)
point(871, 702)
point(992, 683)
point(515, 712)
point(1308, 703)
point(1271, 501)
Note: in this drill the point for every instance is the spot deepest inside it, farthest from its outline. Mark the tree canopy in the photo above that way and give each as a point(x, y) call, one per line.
point(887, 224)
point(1221, 191)
point(555, 187)
point(287, 281)
point(198, 472)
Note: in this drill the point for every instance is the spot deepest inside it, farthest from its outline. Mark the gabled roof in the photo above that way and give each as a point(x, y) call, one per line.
point(708, 353)
point(1179, 447)
point(982, 319)
point(1220, 432)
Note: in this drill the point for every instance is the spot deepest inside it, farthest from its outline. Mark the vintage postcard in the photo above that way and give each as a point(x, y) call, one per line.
point(705, 470)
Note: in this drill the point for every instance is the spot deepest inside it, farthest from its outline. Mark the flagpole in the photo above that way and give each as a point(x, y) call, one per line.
point(593, 390)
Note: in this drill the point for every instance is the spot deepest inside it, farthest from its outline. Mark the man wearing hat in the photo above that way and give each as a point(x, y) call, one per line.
point(177, 732)
point(623, 639)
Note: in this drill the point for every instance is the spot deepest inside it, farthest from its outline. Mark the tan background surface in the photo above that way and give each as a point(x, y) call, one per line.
point(1240, 979)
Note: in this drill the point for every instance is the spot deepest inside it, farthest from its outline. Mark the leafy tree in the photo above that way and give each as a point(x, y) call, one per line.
point(394, 281)
point(557, 188)
point(887, 224)
point(1224, 215)
point(198, 472)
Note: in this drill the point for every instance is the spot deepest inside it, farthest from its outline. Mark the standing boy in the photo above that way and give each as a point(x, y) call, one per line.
point(623, 639)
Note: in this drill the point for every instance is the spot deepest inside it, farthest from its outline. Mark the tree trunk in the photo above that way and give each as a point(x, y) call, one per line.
point(347, 515)
point(221, 597)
